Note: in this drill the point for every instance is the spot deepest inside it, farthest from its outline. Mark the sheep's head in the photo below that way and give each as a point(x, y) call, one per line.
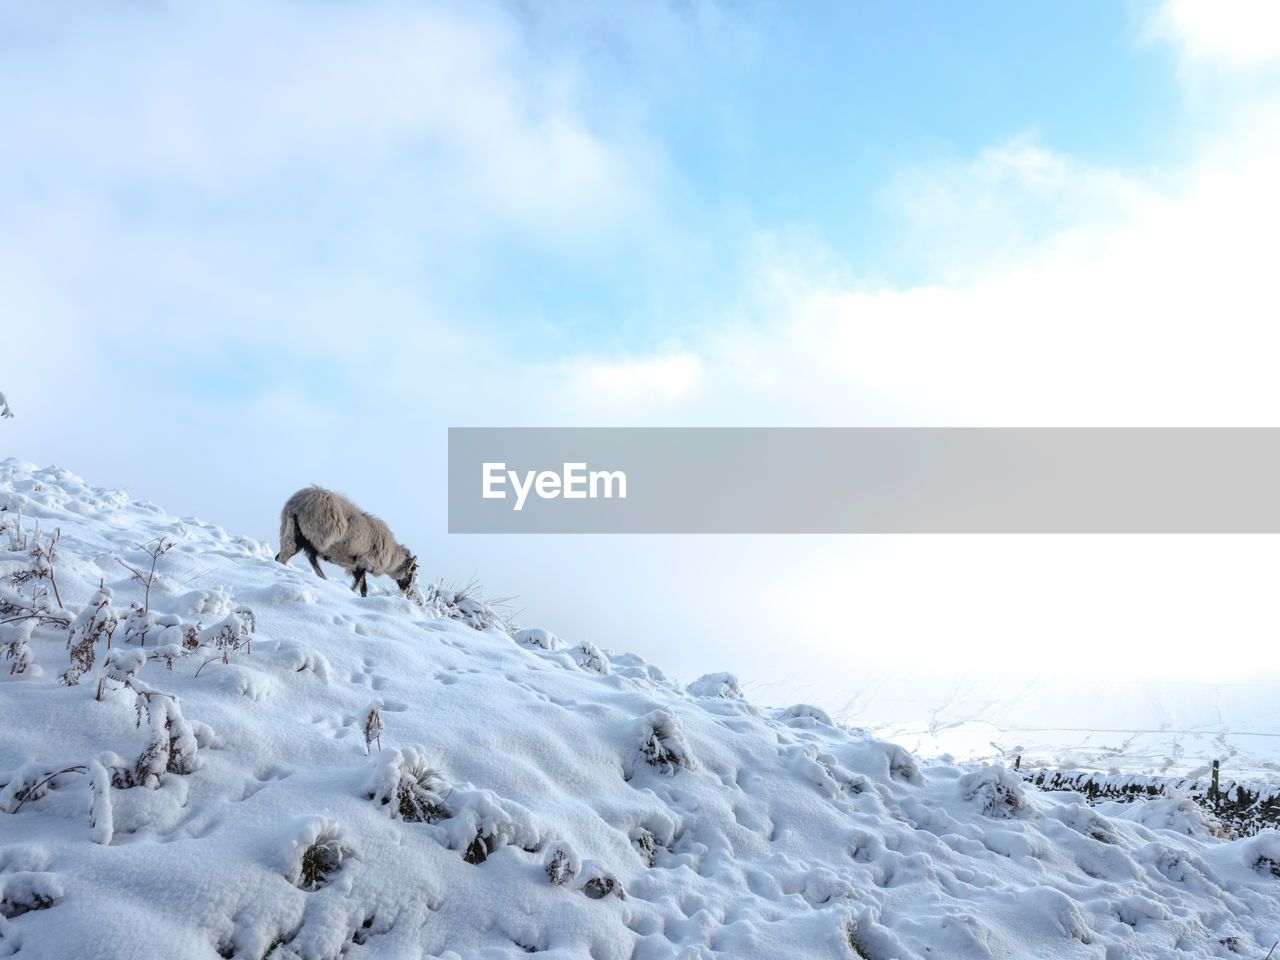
point(407, 570)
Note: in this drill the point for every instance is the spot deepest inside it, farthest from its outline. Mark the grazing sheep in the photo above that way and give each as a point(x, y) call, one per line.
point(320, 522)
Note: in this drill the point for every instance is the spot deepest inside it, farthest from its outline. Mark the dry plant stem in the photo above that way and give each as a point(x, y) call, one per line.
point(162, 546)
point(57, 534)
point(65, 621)
point(77, 768)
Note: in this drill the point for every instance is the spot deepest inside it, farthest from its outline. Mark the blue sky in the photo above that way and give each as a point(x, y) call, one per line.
point(251, 246)
point(802, 119)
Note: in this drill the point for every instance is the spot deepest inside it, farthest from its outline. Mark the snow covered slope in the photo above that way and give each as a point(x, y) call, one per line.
point(231, 793)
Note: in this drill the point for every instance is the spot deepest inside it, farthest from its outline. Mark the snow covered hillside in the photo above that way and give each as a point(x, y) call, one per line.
point(259, 763)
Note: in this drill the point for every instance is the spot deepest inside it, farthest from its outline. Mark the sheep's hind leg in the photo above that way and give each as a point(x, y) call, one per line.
point(315, 564)
point(288, 539)
point(292, 541)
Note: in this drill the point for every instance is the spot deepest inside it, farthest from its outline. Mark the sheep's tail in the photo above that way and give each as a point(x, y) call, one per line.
point(288, 537)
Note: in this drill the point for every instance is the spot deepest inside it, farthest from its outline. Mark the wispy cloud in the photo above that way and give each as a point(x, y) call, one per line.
point(452, 107)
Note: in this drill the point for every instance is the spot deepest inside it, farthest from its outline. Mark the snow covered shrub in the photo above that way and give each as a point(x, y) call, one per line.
point(316, 852)
point(93, 622)
point(562, 863)
point(303, 659)
point(36, 565)
point(998, 790)
point(11, 527)
point(724, 686)
point(206, 603)
point(1262, 852)
point(590, 658)
point(656, 832)
point(806, 715)
point(478, 850)
point(25, 892)
point(121, 666)
point(101, 825)
point(822, 885)
point(174, 742)
point(537, 637)
point(855, 942)
point(1049, 909)
point(319, 860)
point(466, 605)
point(597, 883)
point(662, 743)
point(231, 633)
point(16, 645)
point(869, 938)
point(21, 786)
point(825, 772)
point(5, 412)
point(902, 765)
point(372, 726)
point(41, 557)
point(404, 782)
point(645, 844)
point(32, 782)
point(866, 942)
point(166, 631)
point(1084, 821)
point(172, 748)
point(564, 868)
point(139, 623)
point(481, 822)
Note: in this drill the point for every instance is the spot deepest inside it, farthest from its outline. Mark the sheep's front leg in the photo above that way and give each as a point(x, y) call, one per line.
point(361, 582)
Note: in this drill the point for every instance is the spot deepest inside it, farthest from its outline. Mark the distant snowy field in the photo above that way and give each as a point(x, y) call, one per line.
point(280, 768)
point(1128, 724)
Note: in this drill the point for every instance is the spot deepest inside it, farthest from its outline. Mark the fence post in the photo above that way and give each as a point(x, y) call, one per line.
point(1213, 786)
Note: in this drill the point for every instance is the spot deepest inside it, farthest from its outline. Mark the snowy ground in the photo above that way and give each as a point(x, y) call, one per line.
point(528, 794)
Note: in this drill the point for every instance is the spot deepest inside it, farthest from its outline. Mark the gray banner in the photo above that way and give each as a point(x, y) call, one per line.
point(855, 480)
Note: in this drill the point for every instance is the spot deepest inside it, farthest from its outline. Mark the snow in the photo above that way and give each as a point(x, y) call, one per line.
point(230, 795)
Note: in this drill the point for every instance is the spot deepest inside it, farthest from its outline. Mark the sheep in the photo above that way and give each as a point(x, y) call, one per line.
point(320, 522)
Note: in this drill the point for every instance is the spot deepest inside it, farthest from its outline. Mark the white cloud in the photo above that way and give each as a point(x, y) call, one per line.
point(1230, 33)
point(650, 383)
point(973, 218)
point(1142, 302)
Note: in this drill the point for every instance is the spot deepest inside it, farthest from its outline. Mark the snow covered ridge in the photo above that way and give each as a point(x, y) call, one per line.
point(263, 764)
